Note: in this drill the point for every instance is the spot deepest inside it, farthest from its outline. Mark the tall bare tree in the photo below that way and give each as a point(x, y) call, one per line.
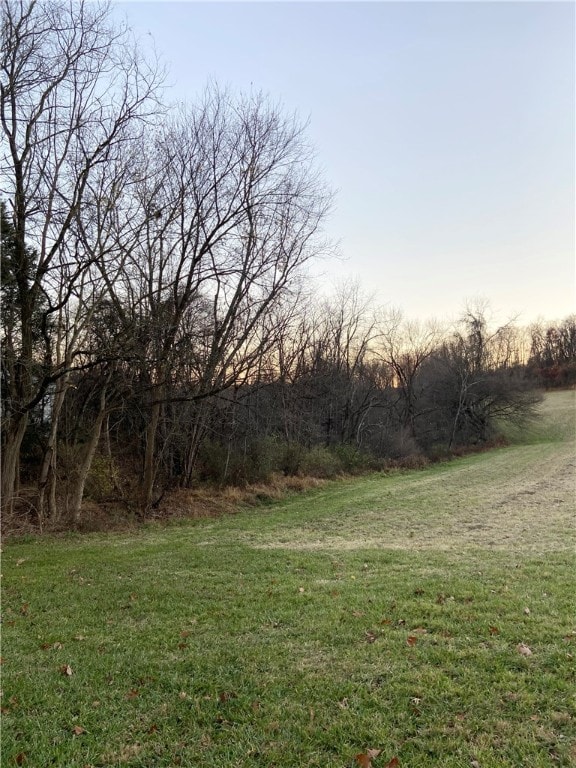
point(404, 347)
point(74, 93)
point(226, 212)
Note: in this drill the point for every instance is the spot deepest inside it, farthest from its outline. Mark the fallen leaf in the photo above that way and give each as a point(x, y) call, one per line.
point(133, 693)
point(66, 670)
point(153, 728)
point(225, 696)
point(20, 758)
point(494, 630)
point(411, 640)
point(524, 649)
point(364, 759)
point(393, 763)
point(78, 730)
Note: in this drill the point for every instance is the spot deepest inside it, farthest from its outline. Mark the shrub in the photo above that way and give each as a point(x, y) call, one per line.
point(102, 480)
point(353, 460)
point(320, 462)
point(252, 462)
point(291, 459)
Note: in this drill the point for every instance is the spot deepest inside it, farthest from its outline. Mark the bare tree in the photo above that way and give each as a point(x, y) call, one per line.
point(405, 347)
point(74, 94)
point(553, 352)
point(226, 212)
point(486, 380)
point(345, 332)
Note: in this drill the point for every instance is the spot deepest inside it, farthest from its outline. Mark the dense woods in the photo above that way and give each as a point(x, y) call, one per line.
point(158, 327)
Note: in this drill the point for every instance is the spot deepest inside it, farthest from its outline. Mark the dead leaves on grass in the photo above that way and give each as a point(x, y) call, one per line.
point(364, 759)
point(51, 646)
point(225, 696)
point(372, 635)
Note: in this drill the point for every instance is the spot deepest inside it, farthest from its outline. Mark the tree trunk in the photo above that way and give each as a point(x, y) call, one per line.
point(109, 456)
point(150, 456)
point(47, 477)
point(75, 504)
point(197, 434)
point(461, 398)
point(11, 462)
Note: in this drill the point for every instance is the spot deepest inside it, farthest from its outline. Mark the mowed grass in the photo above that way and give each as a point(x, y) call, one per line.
point(429, 615)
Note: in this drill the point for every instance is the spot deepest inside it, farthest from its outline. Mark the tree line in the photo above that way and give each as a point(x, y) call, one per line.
point(553, 353)
point(158, 327)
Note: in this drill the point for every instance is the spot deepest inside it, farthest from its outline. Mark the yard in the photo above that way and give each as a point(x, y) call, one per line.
point(413, 619)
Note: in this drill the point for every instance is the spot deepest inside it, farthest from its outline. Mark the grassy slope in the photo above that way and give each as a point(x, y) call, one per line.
point(377, 613)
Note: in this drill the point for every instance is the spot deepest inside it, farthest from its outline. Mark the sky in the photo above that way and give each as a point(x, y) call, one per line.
point(446, 130)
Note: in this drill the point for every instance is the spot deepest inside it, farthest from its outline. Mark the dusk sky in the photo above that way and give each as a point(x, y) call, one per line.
point(447, 131)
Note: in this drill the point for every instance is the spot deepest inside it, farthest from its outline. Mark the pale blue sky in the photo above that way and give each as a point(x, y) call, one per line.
point(447, 130)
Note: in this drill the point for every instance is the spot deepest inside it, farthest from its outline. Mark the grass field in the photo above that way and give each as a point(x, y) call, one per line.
point(428, 616)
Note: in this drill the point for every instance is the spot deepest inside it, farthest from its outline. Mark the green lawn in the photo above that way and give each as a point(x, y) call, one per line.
point(427, 614)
